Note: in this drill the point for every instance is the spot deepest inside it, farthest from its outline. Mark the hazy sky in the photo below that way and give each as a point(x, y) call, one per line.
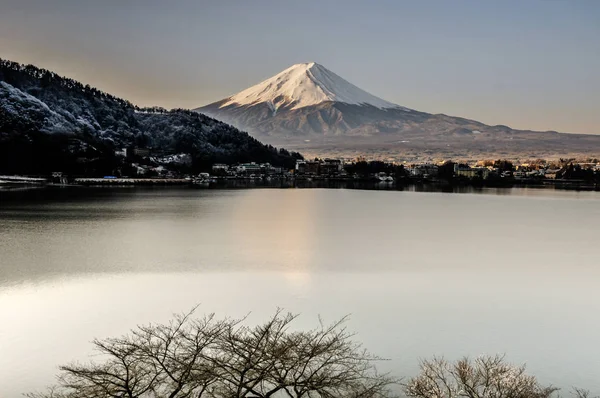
point(524, 63)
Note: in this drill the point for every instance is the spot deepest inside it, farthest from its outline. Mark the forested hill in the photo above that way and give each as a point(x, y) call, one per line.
point(52, 123)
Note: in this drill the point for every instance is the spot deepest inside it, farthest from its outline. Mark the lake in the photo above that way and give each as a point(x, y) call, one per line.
point(512, 271)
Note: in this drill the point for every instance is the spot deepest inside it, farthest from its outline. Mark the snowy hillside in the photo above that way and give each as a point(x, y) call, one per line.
point(49, 122)
point(304, 85)
point(17, 106)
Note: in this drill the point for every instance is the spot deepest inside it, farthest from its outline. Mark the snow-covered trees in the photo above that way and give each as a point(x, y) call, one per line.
point(34, 101)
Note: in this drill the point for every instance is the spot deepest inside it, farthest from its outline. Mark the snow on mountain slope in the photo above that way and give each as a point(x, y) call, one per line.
point(16, 105)
point(303, 85)
point(310, 108)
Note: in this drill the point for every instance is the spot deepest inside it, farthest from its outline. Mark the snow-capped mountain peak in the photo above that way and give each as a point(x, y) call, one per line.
point(304, 85)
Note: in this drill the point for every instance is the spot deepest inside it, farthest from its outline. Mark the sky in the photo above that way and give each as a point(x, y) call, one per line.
point(528, 64)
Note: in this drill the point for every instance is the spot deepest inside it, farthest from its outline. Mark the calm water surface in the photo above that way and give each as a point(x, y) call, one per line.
point(508, 271)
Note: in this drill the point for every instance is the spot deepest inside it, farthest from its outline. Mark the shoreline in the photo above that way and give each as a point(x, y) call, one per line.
point(423, 185)
point(23, 181)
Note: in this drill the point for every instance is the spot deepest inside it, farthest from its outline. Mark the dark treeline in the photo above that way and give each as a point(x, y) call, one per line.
point(53, 123)
point(576, 172)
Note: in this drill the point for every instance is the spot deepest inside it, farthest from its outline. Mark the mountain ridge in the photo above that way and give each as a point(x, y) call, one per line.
point(302, 120)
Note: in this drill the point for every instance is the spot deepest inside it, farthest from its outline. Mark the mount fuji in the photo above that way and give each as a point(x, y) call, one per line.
point(304, 85)
point(304, 100)
point(309, 108)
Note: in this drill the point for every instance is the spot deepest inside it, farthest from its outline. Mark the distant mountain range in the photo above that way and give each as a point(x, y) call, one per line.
point(52, 123)
point(310, 108)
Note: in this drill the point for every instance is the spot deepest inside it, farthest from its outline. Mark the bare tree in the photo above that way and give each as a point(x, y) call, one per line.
point(122, 374)
point(176, 353)
point(581, 393)
point(326, 361)
point(484, 377)
point(323, 362)
point(246, 357)
point(208, 358)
